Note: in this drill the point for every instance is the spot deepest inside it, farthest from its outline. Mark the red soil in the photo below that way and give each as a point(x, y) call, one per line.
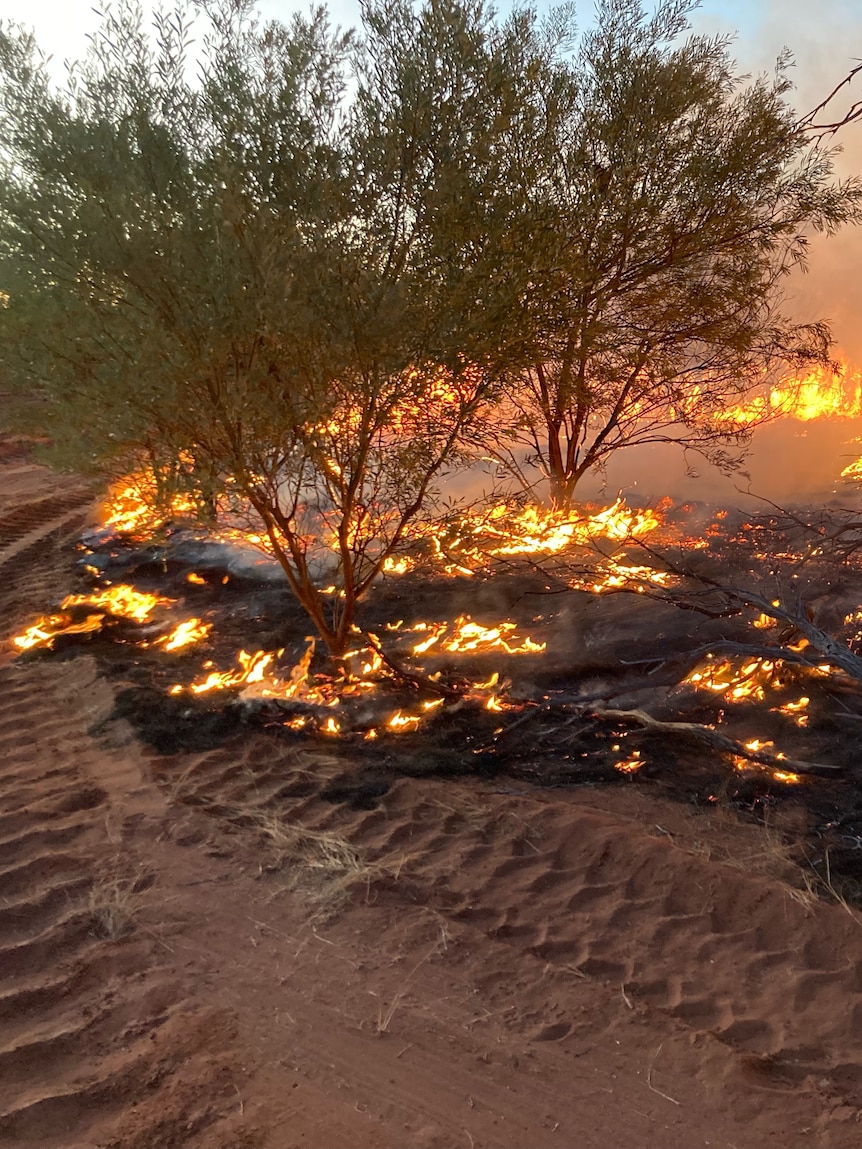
point(497, 969)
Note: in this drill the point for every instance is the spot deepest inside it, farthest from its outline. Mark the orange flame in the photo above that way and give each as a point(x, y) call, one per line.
point(820, 394)
point(120, 601)
point(470, 637)
point(188, 632)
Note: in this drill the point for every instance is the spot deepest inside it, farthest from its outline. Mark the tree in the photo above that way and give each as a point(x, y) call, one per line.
point(260, 285)
point(669, 198)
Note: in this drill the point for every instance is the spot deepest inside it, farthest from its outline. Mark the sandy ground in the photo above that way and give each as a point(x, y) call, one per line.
point(199, 951)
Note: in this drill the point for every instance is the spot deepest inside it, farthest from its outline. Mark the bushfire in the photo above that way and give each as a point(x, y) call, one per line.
point(598, 551)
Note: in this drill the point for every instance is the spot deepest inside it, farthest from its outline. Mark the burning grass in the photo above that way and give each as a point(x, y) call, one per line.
point(566, 667)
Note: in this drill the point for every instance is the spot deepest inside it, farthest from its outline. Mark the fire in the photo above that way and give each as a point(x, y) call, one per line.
point(821, 394)
point(402, 722)
point(252, 669)
point(470, 637)
point(131, 508)
point(188, 632)
point(786, 776)
point(123, 601)
point(795, 710)
point(740, 680)
point(120, 601)
point(43, 632)
point(507, 531)
point(737, 682)
point(630, 765)
point(257, 680)
point(613, 575)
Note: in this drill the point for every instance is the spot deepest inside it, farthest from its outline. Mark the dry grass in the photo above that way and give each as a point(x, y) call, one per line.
point(114, 903)
point(775, 854)
point(385, 1014)
point(322, 867)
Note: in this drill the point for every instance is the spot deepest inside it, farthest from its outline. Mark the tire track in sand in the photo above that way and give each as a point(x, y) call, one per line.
point(99, 1043)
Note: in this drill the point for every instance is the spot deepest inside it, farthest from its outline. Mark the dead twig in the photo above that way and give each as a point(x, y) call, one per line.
point(712, 738)
point(650, 1085)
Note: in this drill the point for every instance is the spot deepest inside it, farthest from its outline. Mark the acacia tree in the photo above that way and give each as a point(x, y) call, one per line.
point(669, 198)
point(240, 281)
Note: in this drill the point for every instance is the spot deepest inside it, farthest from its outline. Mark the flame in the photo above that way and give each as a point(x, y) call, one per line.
point(43, 632)
point(402, 722)
point(255, 676)
point(131, 505)
point(121, 601)
point(188, 632)
point(820, 394)
point(613, 575)
point(738, 682)
point(629, 765)
point(252, 668)
point(786, 776)
point(468, 637)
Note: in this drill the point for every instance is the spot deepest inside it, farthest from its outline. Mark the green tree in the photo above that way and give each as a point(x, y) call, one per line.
point(665, 201)
point(261, 284)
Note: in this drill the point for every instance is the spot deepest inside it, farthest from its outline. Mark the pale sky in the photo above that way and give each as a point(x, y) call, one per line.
point(811, 28)
point(825, 37)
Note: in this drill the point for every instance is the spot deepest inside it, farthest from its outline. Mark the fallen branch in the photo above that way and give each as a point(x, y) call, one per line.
point(411, 677)
point(712, 738)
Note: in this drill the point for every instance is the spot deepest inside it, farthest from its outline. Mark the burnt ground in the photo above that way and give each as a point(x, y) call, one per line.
point(619, 651)
point(269, 939)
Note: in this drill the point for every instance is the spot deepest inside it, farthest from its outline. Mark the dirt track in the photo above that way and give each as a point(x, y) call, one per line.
point(497, 970)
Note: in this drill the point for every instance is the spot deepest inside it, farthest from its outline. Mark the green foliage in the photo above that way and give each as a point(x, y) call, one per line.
point(312, 274)
point(671, 198)
point(239, 280)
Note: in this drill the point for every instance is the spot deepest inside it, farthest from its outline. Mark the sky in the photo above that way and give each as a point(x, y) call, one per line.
point(825, 37)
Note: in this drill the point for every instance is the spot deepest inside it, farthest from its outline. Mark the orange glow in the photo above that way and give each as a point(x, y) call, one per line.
point(120, 601)
point(629, 765)
point(819, 394)
point(187, 633)
point(468, 637)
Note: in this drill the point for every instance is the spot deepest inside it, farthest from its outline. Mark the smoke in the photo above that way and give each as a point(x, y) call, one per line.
point(825, 39)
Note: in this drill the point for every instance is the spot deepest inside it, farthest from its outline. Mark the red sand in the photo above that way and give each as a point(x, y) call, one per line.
point(569, 969)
